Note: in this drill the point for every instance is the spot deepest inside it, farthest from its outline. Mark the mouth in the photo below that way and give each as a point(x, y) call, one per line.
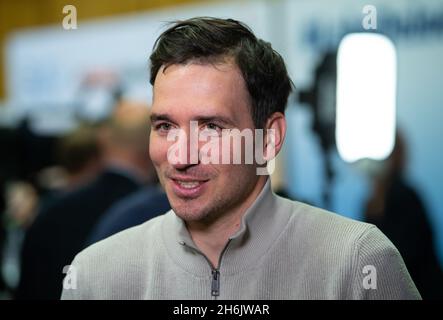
point(188, 188)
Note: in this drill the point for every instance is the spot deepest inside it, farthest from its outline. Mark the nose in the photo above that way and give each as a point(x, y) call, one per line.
point(182, 166)
point(184, 152)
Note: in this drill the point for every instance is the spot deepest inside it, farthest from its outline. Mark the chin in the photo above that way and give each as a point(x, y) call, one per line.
point(190, 210)
point(189, 215)
point(185, 210)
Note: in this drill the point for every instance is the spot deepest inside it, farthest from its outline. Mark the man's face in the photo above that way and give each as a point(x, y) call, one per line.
point(216, 97)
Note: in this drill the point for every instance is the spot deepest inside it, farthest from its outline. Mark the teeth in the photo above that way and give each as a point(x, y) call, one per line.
point(188, 185)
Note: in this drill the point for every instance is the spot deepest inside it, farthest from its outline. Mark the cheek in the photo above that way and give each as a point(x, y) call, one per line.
point(228, 173)
point(158, 149)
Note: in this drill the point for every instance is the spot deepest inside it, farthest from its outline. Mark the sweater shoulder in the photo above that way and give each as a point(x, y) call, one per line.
point(322, 225)
point(125, 244)
point(314, 230)
point(107, 269)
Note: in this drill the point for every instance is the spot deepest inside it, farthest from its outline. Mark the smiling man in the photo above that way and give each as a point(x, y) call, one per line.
point(228, 236)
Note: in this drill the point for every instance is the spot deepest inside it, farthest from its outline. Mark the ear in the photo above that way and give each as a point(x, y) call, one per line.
point(274, 135)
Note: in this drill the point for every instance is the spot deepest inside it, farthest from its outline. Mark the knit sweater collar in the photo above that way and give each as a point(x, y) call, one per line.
point(260, 227)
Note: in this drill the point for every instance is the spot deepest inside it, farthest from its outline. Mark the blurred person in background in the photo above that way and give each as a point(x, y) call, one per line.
point(3, 287)
point(79, 155)
point(24, 196)
point(21, 202)
point(397, 209)
point(133, 210)
point(78, 162)
point(18, 201)
point(61, 228)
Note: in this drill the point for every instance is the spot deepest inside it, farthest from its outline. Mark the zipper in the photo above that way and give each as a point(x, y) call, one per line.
point(215, 283)
point(215, 272)
point(215, 286)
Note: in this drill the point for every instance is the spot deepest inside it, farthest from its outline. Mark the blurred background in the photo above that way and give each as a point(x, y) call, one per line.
point(74, 104)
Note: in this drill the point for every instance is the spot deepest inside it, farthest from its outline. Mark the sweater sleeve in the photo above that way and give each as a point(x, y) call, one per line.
point(379, 271)
point(74, 283)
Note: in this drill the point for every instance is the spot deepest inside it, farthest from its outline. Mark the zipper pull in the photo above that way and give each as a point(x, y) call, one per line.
point(215, 290)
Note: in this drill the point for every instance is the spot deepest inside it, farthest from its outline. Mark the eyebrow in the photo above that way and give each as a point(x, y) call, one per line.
point(158, 117)
point(203, 119)
point(216, 118)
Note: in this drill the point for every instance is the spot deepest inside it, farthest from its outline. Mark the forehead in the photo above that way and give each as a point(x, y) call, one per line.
point(195, 89)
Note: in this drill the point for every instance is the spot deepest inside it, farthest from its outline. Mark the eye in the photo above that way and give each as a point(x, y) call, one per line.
point(213, 126)
point(163, 127)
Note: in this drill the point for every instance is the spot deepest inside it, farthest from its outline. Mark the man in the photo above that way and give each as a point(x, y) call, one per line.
point(227, 235)
point(61, 229)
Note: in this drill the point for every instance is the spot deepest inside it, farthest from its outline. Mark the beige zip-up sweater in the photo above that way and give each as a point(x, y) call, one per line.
point(283, 250)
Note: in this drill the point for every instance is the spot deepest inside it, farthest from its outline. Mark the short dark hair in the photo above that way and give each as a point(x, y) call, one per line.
point(78, 148)
point(210, 40)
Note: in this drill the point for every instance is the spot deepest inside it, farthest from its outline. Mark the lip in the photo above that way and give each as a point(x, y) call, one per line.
point(184, 192)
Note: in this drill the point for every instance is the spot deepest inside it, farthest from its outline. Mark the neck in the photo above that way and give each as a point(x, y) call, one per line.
point(212, 237)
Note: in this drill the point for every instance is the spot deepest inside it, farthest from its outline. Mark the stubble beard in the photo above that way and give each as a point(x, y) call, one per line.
point(215, 208)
